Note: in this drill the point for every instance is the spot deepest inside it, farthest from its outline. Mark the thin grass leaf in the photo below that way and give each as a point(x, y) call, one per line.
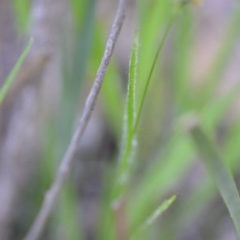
point(217, 169)
point(129, 139)
point(14, 71)
point(205, 193)
point(145, 90)
point(131, 98)
point(162, 208)
point(170, 21)
point(154, 216)
point(153, 16)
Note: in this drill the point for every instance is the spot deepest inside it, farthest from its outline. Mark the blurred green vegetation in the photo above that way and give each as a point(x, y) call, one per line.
point(165, 155)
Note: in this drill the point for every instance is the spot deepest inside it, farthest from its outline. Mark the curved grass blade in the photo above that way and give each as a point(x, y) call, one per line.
point(152, 17)
point(176, 9)
point(140, 205)
point(14, 71)
point(145, 90)
point(154, 216)
point(219, 172)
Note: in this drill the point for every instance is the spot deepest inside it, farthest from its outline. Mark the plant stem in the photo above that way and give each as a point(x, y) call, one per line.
point(67, 162)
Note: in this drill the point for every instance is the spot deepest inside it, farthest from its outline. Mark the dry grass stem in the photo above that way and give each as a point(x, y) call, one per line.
point(68, 159)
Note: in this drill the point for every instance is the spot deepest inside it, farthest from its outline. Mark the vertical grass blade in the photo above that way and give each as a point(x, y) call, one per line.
point(219, 172)
point(22, 11)
point(129, 139)
point(174, 13)
point(146, 87)
point(14, 71)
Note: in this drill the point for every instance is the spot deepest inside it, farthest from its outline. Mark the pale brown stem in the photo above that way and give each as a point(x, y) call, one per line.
point(68, 159)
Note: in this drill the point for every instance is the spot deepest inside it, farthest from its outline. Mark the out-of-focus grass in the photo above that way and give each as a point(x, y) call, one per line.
point(149, 222)
point(160, 173)
point(22, 10)
point(74, 72)
point(8, 82)
point(218, 170)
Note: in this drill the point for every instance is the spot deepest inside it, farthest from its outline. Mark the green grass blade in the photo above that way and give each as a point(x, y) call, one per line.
point(131, 98)
point(219, 172)
point(145, 89)
point(14, 71)
point(129, 138)
point(163, 207)
point(175, 10)
point(153, 16)
point(154, 216)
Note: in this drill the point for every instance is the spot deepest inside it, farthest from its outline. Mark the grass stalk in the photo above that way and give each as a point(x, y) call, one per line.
point(67, 162)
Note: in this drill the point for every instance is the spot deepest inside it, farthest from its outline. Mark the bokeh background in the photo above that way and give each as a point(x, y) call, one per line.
point(198, 70)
